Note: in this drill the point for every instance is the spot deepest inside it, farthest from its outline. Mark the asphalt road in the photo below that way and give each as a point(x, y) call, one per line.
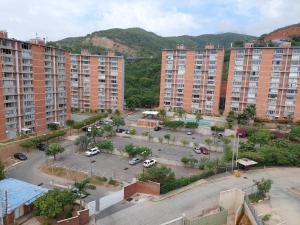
point(29, 171)
point(206, 195)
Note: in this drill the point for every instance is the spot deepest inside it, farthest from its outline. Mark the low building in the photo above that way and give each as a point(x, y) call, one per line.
point(17, 199)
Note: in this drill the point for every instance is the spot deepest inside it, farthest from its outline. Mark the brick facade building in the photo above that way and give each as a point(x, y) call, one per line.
point(97, 82)
point(267, 78)
point(191, 79)
point(34, 86)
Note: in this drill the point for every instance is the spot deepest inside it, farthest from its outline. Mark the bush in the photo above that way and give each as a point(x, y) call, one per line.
point(173, 124)
point(132, 132)
point(191, 125)
point(89, 120)
point(105, 144)
point(34, 141)
point(217, 129)
point(113, 182)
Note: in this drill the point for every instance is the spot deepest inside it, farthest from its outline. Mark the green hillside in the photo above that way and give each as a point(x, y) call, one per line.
point(141, 43)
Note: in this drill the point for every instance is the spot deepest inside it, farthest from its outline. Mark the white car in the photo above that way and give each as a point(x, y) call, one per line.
point(92, 151)
point(149, 162)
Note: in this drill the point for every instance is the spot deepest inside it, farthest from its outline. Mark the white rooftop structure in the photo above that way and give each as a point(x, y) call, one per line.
point(246, 162)
point(153, 113)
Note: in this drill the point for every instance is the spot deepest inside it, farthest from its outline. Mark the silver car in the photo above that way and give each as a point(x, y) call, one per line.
point(134, 161)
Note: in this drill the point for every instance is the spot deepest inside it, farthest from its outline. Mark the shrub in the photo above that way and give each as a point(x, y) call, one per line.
point(191, 125)
point(105, 144)
point(132, 132)
point(89, 120)
point(173, 124)
point(217, 129)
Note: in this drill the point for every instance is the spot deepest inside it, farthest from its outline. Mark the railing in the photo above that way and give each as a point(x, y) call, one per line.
point(253, 211)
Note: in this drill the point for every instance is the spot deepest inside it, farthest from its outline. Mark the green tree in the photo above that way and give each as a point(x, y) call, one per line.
point(295, 131)
point(167, 137)
point(198, 116)
point(81, 188)
point(53, 126)
point(2, 171)
point(133, 102)
point(106, 145)
point(162, 114)
point(83, 142)
point(230, 119)
point(173, 124)
point(130, 149)
point(191, 125)
point(260, 137)
point(185, 160)
point(70, 124)
point(109, 130)
point(144, 151)
point(180, 112)
point(95, 132)
point(53, 202)
point(118, 121)
point(263, 186)
point(54, 149)
point(159, 174)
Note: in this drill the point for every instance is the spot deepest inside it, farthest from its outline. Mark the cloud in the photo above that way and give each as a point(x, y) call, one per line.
point(56, 19)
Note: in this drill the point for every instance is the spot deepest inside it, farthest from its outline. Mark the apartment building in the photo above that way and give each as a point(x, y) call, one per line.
point(266, 77)
point(34, 86)
point(191, 79)
point(97, 82)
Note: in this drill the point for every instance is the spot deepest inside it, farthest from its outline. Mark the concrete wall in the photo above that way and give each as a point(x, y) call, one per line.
point(111, 199)
point(219, 218)
point(81, 219)
point(149, 187)
point(231, 199)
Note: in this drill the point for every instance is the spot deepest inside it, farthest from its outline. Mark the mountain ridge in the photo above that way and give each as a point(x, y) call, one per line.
point(138, 42)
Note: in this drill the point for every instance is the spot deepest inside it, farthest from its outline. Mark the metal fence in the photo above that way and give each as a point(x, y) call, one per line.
point(253, 211)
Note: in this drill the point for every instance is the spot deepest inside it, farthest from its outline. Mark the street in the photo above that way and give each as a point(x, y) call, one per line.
point(206, 195)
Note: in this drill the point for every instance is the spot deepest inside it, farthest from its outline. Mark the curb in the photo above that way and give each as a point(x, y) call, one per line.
point(11, 166)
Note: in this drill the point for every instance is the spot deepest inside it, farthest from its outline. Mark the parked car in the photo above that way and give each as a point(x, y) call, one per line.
point(20, 156)
point(127, 131)
point(42, 147)
point(189, 132)
point(149, 162)
point(120, 130)
point(204, 150)
point(134, 161)
point(92, 151)
point(197, 150)
point(89, 129)
point(84, 129)
point(75, 190)
point(157, 128)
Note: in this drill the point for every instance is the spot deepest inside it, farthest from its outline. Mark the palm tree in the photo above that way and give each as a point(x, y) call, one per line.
point(83, 142)
point(180, 112)
point(109, 130)
point(81, 189)
point(162, 114)
point(70, 124)
point(198, 116)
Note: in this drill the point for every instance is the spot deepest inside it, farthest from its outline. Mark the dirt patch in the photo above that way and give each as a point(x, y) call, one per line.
point(110, 44)
point(78, 176)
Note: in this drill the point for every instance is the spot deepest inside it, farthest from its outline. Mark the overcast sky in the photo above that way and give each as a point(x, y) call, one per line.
point(57, 19)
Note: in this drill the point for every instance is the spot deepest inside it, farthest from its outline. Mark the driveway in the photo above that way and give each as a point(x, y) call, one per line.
point(206, 195)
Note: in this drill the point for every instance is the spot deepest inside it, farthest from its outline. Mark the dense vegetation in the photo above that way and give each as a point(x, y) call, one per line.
point(142, 82)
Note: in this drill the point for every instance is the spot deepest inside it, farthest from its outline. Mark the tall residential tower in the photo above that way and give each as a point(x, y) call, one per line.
point(97, 82)
point(34, 86)
point(191, 79)
point(267, 78)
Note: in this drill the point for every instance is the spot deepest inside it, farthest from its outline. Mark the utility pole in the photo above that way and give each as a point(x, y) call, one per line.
point(233, 150)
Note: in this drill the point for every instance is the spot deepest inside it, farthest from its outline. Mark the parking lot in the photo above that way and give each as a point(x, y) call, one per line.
point(117, 167)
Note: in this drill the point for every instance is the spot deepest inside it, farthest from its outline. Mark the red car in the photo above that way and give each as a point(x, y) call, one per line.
point(201, 150)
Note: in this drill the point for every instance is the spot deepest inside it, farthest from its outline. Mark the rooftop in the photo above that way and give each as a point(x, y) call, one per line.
point(18, 193)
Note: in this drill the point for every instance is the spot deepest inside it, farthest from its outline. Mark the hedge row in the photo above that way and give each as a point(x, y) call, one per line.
point(217, 129)
point(184, 181)
point(34, 141)
point(89, 120)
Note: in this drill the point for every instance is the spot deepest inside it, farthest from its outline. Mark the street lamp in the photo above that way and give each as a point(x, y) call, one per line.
point(91, 164)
